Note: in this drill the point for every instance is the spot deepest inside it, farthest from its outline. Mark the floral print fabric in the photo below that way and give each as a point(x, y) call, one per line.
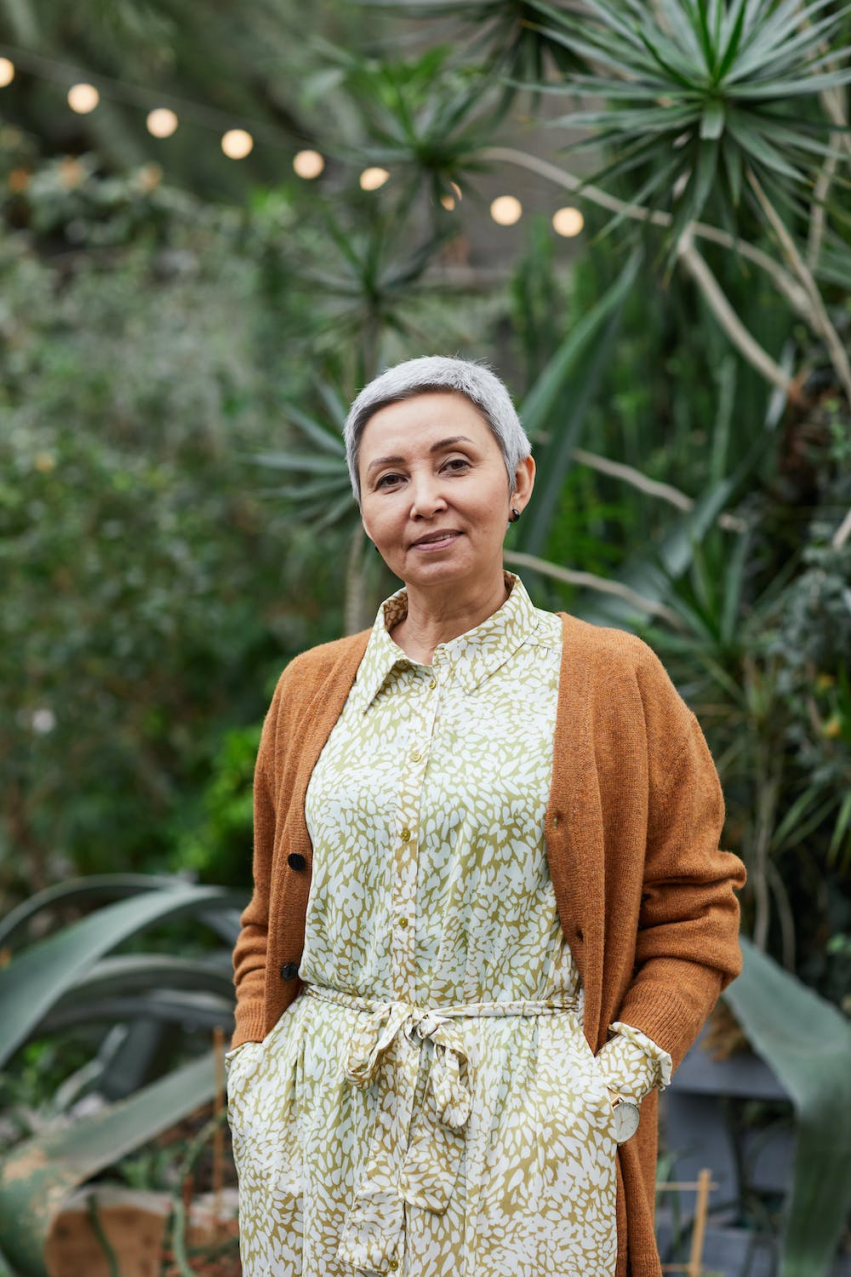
point(429, 1104)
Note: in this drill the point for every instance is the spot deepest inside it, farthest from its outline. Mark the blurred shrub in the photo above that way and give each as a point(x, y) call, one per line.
point(150, 596)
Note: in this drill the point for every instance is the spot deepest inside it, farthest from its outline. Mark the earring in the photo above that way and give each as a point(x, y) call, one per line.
point(515, 515)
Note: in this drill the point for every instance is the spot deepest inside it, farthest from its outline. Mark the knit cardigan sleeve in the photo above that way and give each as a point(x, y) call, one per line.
point(687, 948)
point(249, 955)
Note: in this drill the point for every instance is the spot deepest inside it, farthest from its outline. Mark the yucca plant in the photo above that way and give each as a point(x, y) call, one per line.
point(708, 98)
point(425, 119)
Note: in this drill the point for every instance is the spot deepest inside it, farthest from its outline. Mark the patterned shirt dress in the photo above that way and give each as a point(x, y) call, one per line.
point(428, 1105)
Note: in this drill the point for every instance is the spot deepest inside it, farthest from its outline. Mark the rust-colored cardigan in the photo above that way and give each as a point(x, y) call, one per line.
point(645, 898)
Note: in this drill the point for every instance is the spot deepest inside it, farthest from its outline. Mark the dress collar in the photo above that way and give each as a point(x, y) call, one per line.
point(472, 657)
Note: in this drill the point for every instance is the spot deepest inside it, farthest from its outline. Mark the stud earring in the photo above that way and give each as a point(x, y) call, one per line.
point(515, 515)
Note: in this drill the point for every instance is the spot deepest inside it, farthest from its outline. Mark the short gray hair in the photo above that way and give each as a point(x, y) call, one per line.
point(470, 377)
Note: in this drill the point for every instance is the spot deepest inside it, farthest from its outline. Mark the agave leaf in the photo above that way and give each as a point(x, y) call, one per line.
point(315, 431)
point(571, 364)
point(129, 973)
point(38, 1176)
point(306, 491)
point(38, 978)
point(806, 1042)
point(161, 1010)
point(307, 461)
point(96, 888)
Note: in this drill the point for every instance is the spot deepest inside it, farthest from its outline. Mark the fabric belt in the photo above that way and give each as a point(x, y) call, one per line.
point(421, 1171)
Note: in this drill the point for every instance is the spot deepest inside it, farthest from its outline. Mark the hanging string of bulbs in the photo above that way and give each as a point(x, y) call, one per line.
point(236, 142)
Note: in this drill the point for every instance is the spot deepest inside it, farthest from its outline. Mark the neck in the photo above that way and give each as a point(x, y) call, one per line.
point(435, 617)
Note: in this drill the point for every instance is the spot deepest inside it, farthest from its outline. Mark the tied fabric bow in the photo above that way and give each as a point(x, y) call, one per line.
point(452, 1096)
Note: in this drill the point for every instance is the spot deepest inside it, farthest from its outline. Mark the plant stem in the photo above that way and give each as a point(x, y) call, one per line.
point(103, 1240)
point(836, 350)
point(665, 491)
point(587, 580)
point(745, 343)
point(353, 608)
point(842, 533)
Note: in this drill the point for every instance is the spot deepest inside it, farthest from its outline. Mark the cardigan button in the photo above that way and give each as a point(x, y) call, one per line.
point(296, 860)
point(579, 934)
point(289, 971)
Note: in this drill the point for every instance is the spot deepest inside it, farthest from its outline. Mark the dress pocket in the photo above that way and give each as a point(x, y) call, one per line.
point(576, 1126)
point(263, 1112)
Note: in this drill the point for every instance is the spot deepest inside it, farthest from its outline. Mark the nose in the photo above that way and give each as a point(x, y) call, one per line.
point(426, 496)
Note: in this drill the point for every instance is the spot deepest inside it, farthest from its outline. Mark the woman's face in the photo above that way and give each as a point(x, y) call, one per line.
point(431, 465)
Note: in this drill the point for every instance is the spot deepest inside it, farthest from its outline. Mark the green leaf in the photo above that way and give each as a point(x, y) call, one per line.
point(840, 830)
point(38, 977)
point(299, 461)
point(570, 377)
point(712, 121)
point(806, 1042)
point(737, 17)
point(315, 431)
point(39, 1175)
point(96, 889)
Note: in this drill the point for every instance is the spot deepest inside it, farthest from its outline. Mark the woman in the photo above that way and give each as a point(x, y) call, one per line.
point(489, 914)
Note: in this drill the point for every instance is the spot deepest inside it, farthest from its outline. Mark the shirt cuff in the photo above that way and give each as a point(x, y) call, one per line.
point(632, 1064)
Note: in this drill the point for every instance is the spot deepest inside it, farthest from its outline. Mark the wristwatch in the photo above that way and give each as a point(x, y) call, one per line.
point(626, 1116)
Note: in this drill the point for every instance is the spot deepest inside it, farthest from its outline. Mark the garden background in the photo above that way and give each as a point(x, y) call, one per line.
point(216, 224)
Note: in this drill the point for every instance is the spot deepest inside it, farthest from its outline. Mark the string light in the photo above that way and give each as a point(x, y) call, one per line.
point(7, 72)
point(161, 122)
point(568, 222)
point(449, 201)
point(237, 143)
point(83, 98)
point(506, 210)
point(372, 178)
point(308, 164)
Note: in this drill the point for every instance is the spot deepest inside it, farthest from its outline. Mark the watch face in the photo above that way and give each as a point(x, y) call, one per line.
point(626, 1121)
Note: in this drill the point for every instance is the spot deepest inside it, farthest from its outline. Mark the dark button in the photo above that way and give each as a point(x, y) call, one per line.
point(580, 934)
point(296, 860)
point(289, 971)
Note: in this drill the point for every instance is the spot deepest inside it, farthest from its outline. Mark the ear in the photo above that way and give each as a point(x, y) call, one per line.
point(524, 480)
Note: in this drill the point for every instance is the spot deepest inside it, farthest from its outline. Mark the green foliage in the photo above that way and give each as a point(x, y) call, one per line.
point(807, 1043)
point(761, 649)
point(151, 597)
point(72, 980)
point(216, 846)
point(701, 93)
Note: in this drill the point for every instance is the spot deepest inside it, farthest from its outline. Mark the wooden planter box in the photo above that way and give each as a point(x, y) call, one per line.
point(134, 1225)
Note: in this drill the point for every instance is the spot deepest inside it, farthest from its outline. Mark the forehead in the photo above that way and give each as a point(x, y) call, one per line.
point(413, 423)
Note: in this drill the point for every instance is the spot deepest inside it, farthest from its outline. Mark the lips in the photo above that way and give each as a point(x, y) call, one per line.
point(448, 534)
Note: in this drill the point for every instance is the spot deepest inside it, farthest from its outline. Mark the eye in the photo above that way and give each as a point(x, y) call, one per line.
point(458, 461)
point(384, 477)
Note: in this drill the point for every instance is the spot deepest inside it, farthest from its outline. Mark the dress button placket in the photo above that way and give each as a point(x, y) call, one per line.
point(413, 764)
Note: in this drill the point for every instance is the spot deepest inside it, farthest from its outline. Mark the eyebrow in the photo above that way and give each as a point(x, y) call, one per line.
point(435, 447)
